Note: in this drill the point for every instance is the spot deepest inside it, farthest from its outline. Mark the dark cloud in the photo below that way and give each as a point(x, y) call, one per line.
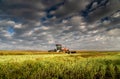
point(70, 7)
point(27, 9)
point(92, 10)
point(102, 11)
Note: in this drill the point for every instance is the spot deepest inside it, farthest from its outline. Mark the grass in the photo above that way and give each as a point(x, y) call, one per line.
point(82, 65)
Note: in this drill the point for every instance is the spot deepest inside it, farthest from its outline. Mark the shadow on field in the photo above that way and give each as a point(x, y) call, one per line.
point(93, 55)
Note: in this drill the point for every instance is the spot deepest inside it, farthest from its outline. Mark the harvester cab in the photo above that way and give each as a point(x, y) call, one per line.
point(58, 48)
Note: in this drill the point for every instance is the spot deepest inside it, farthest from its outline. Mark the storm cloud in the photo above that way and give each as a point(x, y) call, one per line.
point(77, 24)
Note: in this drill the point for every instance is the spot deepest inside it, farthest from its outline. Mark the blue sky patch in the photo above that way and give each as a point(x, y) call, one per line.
point(10, 30)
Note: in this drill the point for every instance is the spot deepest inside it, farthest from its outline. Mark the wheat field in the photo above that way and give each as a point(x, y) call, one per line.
point(40, 65)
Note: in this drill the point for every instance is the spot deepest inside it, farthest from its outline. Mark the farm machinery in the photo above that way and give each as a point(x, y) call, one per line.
point(59, 48)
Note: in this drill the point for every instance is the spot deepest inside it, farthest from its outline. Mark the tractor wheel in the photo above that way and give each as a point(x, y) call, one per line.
point(68, 52)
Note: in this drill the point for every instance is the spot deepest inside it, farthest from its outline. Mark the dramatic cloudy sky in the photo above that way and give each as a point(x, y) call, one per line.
point(77, 24)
